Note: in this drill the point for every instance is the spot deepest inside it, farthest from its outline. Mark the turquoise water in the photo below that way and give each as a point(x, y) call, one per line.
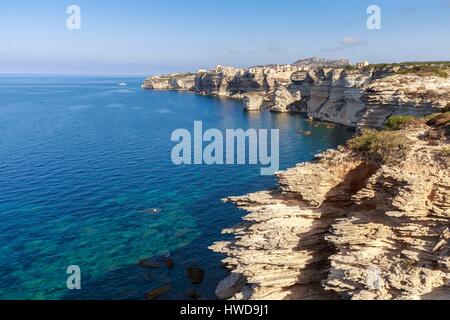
point(81, 159)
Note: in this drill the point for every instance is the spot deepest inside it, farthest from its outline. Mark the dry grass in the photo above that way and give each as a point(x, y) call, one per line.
point(447, 108)
point(423, 69)
point(439, 120)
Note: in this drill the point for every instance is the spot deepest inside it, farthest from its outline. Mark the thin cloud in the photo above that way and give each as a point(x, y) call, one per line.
point(352, 42)
point(233, 51)
point(346, 43)
point(253, 51)
point(273, 49)
point(409, 11)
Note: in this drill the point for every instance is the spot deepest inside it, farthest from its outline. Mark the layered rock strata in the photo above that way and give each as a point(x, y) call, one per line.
point(334, 91)
point(253, 102)
point(346, 227)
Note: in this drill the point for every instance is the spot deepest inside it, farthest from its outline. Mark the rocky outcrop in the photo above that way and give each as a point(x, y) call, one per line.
point(332, 94)
point(358, 95)
point(283, 100)
point(253, 102)
point(347, 227)
point(182, 81)
point(406, 94)
point(230, 286)
point(343, 226)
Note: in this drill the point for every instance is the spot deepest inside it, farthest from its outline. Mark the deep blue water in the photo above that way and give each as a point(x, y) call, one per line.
point(82, 158)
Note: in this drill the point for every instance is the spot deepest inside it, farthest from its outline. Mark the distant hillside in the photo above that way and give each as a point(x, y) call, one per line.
point(321, 62)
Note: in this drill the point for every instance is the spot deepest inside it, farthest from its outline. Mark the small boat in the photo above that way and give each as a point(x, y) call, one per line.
point(153, 211)
point(122, 84)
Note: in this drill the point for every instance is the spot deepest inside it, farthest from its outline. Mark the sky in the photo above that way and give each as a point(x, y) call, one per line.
point(141, 37)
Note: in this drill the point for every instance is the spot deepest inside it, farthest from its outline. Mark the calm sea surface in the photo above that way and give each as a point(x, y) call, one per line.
point(81, 159)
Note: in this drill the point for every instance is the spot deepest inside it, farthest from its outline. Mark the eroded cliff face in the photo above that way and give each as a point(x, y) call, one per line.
point(179, 81)
point(406, 94)
point(346, 227)
point(360, 96)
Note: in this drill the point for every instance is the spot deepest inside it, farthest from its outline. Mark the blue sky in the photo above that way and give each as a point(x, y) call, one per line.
point(147, 37)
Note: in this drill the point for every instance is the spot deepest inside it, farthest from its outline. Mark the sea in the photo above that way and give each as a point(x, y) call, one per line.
point(87, 180)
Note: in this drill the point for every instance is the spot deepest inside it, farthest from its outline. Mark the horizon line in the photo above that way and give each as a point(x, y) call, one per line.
point(74, 74)
point(70, 74)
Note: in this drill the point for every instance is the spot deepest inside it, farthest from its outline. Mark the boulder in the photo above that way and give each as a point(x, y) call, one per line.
point(231, 285)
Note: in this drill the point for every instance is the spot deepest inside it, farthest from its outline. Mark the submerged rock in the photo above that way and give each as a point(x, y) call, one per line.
point(149, 263)
point(157, 292)
point(305, 132)
point(193, 294)
point(168, 262)
point(195, 274)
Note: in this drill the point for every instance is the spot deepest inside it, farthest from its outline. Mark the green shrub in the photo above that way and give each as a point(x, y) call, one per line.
point(398, 122)
point(423, 70)
point(383, 146)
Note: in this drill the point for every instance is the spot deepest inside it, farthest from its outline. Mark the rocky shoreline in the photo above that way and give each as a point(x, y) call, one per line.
point(359, 95)
point(346, 225)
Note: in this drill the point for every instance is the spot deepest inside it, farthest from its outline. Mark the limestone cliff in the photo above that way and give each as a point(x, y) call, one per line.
point(359, 95)
point(179, 81)
point(346, 226)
